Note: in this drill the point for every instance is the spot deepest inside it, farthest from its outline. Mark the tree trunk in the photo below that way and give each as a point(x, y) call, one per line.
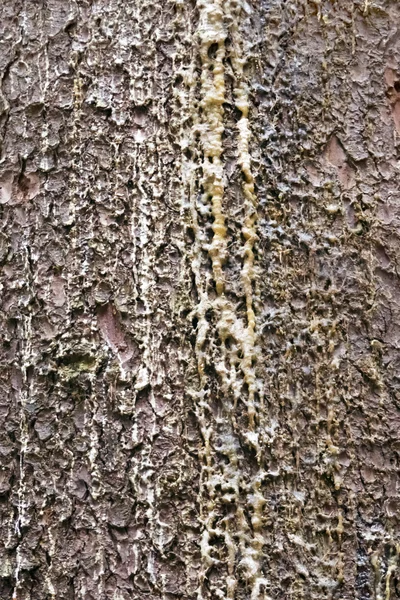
point(200, 299)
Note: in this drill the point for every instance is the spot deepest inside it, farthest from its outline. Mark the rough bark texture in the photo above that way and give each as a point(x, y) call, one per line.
point(200, 299)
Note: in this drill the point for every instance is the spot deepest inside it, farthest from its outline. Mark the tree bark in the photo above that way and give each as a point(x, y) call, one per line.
point(199, 299)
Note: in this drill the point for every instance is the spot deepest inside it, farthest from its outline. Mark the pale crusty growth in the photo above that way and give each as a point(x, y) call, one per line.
point(199, 251)
point(212, 33)
point(217, 20)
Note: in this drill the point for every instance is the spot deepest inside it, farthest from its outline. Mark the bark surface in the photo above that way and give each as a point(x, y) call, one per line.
point(200, 306)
